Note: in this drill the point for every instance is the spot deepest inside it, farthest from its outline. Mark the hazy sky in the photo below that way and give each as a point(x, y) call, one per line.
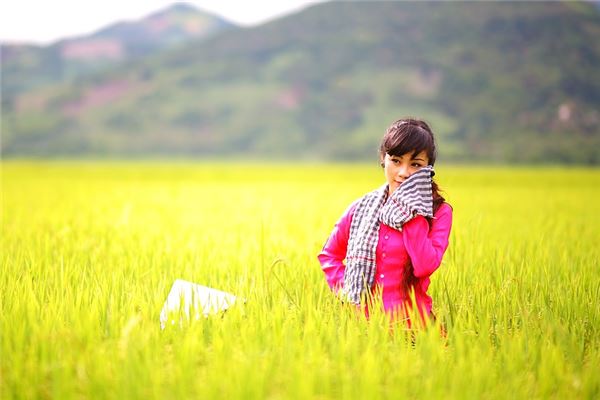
point(46, 21)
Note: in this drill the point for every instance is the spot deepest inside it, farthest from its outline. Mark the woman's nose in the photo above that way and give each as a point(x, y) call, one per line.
point(403, 171)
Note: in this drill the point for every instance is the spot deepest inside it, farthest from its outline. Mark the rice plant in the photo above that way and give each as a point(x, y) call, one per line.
point(91, 249)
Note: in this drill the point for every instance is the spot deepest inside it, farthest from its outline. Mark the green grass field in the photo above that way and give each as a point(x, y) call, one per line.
point(90, 250)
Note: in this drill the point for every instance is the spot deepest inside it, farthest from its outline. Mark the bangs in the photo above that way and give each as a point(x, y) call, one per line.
point(411, 140)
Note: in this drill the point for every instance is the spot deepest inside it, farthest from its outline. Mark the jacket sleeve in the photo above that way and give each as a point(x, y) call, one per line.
point(425, 246)
point(333, 253)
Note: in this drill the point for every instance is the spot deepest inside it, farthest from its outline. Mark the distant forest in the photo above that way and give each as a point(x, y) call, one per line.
point(499, 82)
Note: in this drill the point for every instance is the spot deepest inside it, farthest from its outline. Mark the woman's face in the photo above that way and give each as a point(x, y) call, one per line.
point(398, 168)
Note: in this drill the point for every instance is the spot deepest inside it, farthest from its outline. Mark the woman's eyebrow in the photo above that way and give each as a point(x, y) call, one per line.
point(418, 159)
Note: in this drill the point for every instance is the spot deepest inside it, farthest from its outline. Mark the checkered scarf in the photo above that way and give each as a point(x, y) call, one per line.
point(413, 197)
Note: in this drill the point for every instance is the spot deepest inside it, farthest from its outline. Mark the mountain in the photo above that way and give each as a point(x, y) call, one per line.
point(27, 67)
point(499, 81)
point(176, 25)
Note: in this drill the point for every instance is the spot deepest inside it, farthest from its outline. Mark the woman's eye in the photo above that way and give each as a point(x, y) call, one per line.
point(416, 165)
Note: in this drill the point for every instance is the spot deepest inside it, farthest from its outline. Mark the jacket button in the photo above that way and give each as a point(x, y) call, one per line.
point(383, 255)
point(381, 276)
point(386, 237)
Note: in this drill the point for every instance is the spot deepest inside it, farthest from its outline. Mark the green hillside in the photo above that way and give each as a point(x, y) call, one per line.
point(28, 67)
point(499, 81)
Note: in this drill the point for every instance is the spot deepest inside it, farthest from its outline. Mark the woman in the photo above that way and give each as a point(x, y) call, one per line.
point(393, 238)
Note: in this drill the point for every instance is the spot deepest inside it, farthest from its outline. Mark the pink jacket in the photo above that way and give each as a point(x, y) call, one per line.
point(416, 242)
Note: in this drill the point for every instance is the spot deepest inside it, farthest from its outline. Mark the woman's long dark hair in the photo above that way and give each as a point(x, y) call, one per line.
point(412, 135)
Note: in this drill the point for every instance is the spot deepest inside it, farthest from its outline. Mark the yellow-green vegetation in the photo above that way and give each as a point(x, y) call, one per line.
point(90, 250)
